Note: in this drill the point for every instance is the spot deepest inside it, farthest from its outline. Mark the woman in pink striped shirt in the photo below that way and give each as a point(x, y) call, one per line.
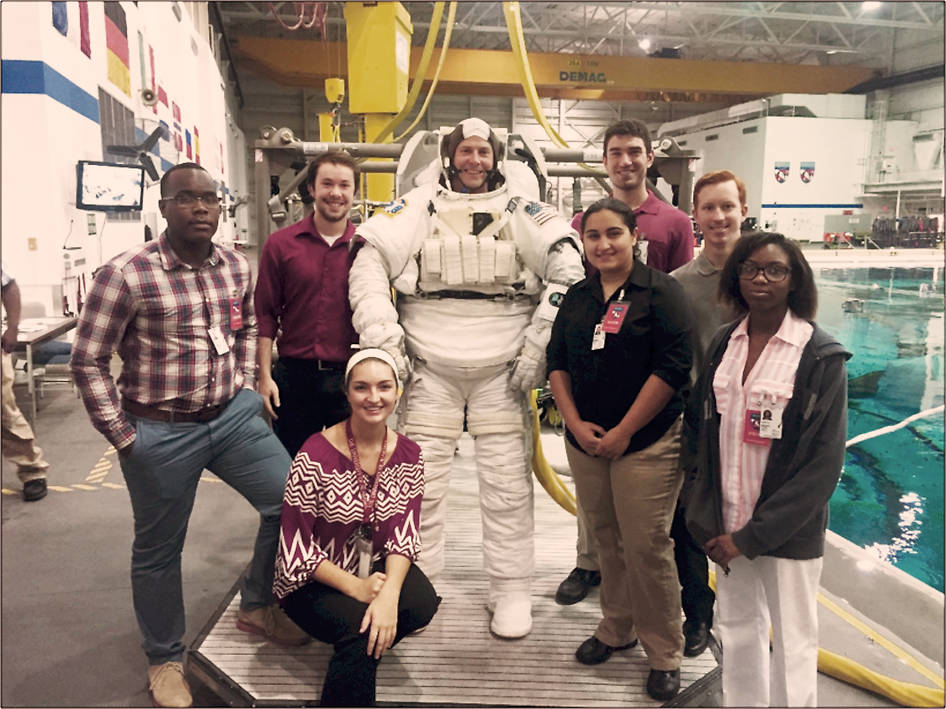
point(767, 423)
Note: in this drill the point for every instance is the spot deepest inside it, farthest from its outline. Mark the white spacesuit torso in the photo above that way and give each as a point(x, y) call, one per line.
point(469, 269)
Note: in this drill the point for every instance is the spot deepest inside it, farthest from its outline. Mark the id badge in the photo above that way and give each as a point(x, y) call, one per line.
point(219, 340)
point(597, 340)
point(751, 432)
point(365, 552)
point(770, 423)
point(236, 314)
point(614, 318)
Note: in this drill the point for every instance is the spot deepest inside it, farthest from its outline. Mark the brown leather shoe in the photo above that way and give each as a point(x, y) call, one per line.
point(168, 687)
point(271, 623)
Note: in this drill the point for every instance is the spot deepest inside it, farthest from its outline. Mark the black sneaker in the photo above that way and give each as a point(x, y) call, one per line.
point(34, 490)
point(576, 586)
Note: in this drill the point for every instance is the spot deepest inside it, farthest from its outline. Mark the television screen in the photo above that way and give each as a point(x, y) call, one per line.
point(109, 187)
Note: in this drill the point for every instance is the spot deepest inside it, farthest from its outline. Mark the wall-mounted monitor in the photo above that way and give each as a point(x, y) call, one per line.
point(109, 187)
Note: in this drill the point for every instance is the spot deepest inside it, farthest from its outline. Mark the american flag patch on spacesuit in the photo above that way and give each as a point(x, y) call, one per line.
point(540, 212)
point(392, 208)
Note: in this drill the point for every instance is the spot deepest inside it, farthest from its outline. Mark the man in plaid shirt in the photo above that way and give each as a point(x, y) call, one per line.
point(179, 311)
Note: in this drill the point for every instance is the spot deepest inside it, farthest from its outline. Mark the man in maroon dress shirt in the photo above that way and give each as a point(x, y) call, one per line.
point(302, 303)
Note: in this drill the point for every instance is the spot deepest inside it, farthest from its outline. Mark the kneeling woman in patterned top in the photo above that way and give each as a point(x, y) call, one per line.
point(350, 520)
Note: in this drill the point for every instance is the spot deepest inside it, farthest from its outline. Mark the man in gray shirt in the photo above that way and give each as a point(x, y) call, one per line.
point(719, 206)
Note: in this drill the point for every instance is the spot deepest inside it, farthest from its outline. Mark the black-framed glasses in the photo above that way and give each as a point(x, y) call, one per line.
point(773, 271)
point(190, 199)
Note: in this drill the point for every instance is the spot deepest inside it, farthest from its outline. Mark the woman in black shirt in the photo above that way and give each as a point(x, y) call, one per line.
point(618, 357)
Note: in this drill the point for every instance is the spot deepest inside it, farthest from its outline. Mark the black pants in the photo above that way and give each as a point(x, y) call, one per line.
point(693, 571)
point(310, 399)
point(332, 617)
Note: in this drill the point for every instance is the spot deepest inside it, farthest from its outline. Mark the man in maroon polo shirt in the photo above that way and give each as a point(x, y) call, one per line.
point(665, 242)
point(302, 302)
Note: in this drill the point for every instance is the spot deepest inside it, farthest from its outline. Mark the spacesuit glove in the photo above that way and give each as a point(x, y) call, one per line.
point(389, 336)
point(403, 362)
point(528, 373)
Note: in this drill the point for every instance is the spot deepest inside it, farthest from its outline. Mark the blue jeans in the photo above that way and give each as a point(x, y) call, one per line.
point(161, 473)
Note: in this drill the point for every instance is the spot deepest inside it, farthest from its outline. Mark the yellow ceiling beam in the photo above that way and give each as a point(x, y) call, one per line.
point(307, 63)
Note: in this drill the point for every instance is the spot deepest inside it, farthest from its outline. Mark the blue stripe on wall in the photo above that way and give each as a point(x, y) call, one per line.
point(812, 206)
point(22, 76)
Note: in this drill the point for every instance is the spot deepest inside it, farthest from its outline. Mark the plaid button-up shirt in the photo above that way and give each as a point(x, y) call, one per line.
point(158, 313)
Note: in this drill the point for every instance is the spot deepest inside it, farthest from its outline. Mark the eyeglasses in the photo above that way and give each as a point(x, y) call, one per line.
point(774, 271)
point(190, 199)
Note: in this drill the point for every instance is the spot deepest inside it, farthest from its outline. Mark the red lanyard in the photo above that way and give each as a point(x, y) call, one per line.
point(367, 499)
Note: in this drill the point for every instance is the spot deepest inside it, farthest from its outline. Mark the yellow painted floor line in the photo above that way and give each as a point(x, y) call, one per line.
point(876, 637)
point(59, 488)
point(80, 486)
point(5, 491)
point(114, 486)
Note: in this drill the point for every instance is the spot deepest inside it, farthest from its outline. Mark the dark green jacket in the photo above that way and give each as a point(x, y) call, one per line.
point(804, 465)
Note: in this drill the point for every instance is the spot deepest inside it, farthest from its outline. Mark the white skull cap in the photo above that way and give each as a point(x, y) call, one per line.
point(475, 127)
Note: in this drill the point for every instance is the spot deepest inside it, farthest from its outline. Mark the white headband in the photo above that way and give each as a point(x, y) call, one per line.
point(475, 127)
point(372, 353)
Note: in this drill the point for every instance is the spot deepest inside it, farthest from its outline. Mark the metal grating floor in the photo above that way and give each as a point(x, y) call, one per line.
point(456, 660)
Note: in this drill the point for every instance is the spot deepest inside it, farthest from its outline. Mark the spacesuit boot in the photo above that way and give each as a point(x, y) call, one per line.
point(511, 606)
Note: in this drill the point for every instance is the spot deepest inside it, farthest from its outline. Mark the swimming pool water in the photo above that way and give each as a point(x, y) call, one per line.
point(890, 498)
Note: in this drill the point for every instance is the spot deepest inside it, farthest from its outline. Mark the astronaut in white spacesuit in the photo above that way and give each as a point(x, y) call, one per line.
point(480, 267)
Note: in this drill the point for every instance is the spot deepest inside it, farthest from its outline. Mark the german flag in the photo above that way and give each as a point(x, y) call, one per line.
point(116, 42)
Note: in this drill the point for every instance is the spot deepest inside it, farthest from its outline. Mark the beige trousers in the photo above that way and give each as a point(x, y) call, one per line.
point(629, 505)
point(17, 437)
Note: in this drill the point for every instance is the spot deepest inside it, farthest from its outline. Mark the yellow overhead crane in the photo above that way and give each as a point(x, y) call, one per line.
point(294, 62)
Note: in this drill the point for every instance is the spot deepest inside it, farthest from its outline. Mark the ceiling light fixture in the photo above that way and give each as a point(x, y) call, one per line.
point(869, 6)
point(644, 44)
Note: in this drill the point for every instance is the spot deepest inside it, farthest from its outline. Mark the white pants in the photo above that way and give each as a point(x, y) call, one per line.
point(436, 400)
point(783, 591)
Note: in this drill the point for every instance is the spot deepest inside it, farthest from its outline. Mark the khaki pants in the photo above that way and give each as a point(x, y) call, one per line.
point(17, 437)
point(629, 505)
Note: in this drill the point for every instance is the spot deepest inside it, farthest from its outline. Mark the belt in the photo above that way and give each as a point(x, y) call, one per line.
point(320, 364)
point(146, 411)
point(469, 295)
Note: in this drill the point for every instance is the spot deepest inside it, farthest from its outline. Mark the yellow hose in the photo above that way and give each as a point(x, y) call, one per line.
point(451, 13)
point(847, 670)
point(544, 472)
point(904, 693)
point(414, 92)
point(517, 42)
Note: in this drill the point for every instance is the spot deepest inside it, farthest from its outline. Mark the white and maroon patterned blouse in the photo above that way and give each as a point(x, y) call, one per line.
point(322, 508)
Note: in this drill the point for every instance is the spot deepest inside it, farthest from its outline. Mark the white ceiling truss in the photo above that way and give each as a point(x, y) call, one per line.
point(824, 32)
